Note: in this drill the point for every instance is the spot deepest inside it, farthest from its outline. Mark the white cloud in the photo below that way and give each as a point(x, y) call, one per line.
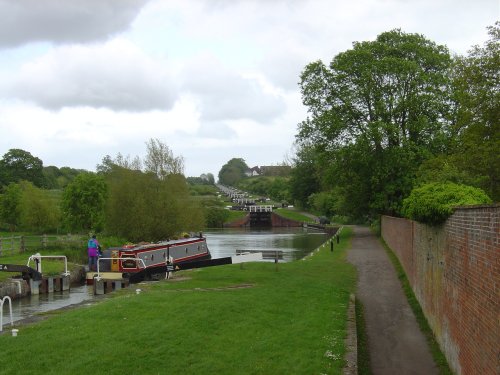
point(114, 75)
point(226, 94)
point(63, 21)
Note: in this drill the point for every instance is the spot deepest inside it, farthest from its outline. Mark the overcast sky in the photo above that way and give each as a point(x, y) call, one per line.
point(213, 79)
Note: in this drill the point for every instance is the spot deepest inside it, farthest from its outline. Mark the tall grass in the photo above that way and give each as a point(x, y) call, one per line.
point(254, 318)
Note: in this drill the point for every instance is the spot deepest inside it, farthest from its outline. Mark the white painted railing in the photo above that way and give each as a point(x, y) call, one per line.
point(267, 208)
point(2, 300)
point(37, 258)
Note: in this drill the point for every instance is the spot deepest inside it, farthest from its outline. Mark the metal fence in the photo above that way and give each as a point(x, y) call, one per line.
point(19, 244)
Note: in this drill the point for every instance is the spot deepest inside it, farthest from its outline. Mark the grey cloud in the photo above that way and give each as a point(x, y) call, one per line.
point(114, 76)
point(62, 21)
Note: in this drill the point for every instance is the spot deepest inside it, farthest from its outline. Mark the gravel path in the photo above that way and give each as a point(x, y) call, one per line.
point(396, 344)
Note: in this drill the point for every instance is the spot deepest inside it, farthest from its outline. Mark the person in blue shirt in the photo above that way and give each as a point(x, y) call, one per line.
point(93, 253)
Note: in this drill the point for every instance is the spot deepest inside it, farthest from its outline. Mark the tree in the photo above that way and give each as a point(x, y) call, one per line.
point(18, 165)
point(142, 207)
point(375, 114)
point(233, 171)
point(304, 180)
point(38, 212)
point(10, 209)
point(477, 91)
point(208, 178)
point(161, 161)
point(83, 202)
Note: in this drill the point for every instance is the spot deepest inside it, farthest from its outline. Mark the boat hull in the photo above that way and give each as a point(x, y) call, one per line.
point(151, 259)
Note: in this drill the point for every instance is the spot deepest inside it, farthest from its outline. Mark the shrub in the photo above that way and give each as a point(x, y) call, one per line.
point(433, 203)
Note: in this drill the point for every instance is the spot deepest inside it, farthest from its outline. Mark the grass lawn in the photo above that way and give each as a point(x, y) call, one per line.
point(293, 215)
point(258, 318)
point(50, 267)
point(235, 215)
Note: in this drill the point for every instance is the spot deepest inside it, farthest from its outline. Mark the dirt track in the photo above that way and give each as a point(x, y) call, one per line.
point(395, 341)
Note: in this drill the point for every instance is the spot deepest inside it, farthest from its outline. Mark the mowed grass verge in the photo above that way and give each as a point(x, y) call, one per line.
point(258, 318)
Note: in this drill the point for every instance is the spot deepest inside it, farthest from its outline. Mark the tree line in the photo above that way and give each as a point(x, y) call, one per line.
point(130, 198)
point(392, 115)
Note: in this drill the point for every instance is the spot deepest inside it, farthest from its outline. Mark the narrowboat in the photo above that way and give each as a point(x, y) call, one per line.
point(150, 261)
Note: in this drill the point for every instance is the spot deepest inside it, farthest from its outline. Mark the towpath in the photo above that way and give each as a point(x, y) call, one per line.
point(396, 344)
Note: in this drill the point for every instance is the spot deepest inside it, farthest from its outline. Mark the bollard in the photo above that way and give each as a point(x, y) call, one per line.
point(98, 286)
point(35, 286)
point(65, 282)
point(50, 285)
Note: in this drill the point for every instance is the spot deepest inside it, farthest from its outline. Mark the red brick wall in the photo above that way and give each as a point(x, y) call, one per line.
point(454, 270)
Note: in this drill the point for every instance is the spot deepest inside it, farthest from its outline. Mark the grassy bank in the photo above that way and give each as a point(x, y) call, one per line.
point(293, 215)
point(258, 318)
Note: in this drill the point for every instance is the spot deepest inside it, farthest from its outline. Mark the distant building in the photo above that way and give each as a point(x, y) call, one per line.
point(255, 171)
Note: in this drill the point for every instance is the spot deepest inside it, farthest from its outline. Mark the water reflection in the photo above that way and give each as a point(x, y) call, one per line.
point(295, 243)
point(29, 306)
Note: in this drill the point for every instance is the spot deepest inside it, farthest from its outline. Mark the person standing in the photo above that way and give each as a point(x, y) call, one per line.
point(93, 253)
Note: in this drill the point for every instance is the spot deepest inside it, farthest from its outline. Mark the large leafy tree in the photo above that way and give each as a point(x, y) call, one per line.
point(233, 171)
point(375, 113)
point(304, 180)
point(477, 84)
point(143, 207)
point(17, 165)
point(83, 202)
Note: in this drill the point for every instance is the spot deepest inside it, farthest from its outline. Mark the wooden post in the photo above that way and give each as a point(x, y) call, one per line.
point(22, 245)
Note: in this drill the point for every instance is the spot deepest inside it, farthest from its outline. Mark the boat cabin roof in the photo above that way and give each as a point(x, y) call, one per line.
point(141, 246)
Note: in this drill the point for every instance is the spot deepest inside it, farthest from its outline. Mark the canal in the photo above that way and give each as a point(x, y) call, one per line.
point(295, 243)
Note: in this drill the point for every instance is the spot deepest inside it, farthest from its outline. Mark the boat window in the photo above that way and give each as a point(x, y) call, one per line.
point(129, 263)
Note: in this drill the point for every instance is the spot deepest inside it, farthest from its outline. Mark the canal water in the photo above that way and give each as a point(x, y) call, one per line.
point(295, 243)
